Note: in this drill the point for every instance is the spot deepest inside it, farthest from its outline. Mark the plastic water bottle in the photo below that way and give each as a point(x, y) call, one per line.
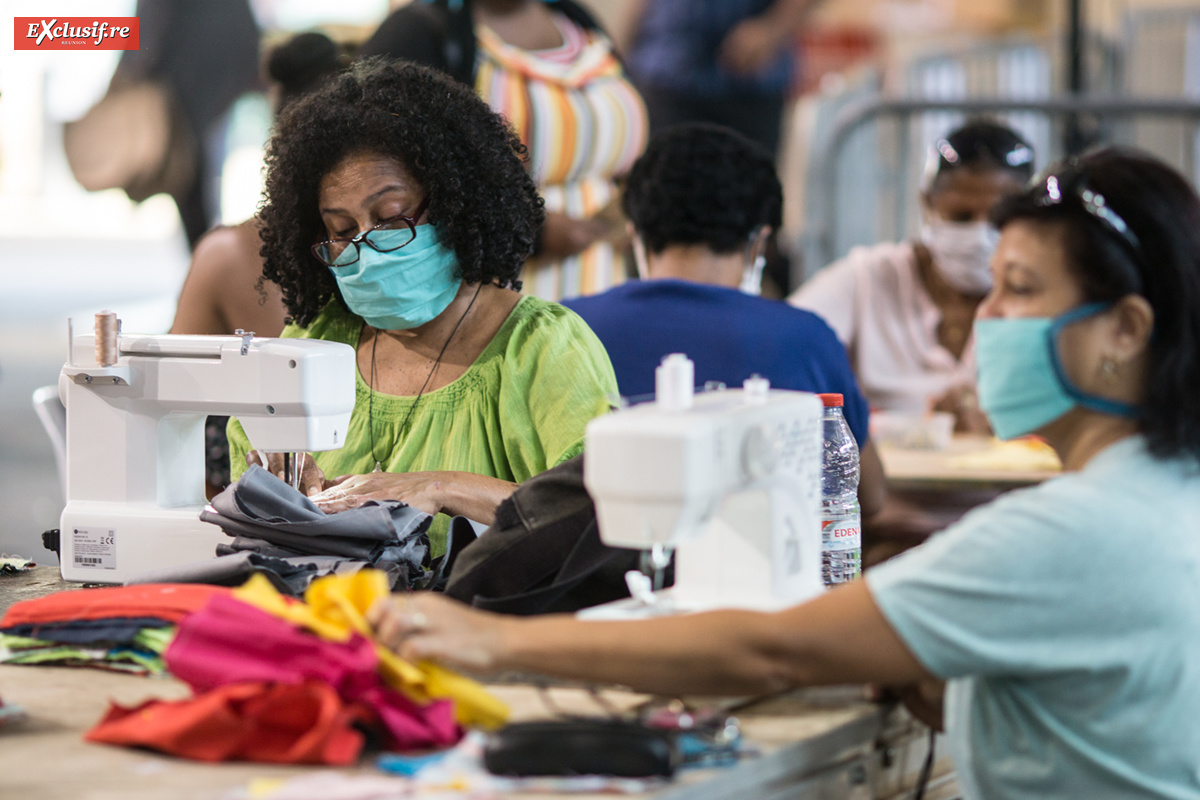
point(841, 521)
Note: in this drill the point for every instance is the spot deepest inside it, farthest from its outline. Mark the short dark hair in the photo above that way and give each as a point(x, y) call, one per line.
point(1163, 212)
point(981, 144)
point(299, 64)
point(466, 157)
point(702, 184)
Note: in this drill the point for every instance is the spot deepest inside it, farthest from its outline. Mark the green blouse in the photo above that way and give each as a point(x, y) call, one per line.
point(518, 410)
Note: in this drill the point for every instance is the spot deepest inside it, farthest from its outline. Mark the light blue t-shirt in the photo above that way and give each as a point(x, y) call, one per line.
point(1066, 618)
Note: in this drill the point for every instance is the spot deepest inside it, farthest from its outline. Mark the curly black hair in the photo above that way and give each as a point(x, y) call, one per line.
point(466, 157)
point(1162, 210)
point(700, 183)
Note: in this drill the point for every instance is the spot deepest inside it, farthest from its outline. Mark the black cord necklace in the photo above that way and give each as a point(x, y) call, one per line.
point(413, 407)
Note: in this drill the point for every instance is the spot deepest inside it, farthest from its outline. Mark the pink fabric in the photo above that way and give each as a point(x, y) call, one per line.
point(229, 641)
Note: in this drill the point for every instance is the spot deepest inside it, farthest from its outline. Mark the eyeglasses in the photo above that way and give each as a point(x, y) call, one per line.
point(344, 252)
point(1071, 181)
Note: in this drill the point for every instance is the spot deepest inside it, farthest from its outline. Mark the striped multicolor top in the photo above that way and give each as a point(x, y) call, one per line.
point(583, 123)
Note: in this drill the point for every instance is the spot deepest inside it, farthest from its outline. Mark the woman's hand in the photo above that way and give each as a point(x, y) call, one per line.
point(753, 44)
point(427, 627)
point(455, 493)
point(421, 490)
point(564, 236)
point(312, 479)
point(963, 403)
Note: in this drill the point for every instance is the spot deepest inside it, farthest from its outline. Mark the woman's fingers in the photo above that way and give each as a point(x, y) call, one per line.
point(425, 627)
point(312, 478)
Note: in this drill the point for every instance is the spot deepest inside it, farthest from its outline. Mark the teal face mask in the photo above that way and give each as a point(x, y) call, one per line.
point(404, 288)
point(1022, 383)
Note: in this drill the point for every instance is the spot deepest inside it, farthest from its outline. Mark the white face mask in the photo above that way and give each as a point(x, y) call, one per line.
point(962, 253)
point(752, 276)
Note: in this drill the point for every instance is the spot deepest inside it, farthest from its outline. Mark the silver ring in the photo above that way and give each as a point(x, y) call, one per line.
point(417, 621)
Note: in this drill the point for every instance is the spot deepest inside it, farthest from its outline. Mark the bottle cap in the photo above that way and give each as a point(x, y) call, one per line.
point(831, 400)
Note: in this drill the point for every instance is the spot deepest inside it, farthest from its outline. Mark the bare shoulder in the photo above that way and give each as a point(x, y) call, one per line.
point(226, 272)
point(229, 251)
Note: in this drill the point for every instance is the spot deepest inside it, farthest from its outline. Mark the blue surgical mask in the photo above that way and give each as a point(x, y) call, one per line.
point(1022, 383)
point(404, 288)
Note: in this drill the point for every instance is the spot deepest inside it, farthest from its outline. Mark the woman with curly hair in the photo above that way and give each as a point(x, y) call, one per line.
point(397, 217)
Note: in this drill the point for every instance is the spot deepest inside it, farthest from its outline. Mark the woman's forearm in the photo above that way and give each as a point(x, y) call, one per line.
point(838, 638)
point(472, 496)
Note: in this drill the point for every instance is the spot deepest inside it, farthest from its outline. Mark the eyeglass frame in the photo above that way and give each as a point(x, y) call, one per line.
point(360, 239)
point(1073, 179)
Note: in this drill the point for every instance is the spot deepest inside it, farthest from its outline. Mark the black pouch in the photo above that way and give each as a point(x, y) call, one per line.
point(543, 554)
point(581, 747)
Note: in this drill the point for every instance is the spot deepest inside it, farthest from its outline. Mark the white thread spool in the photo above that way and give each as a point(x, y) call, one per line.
point(675, 382)
point(107, 330)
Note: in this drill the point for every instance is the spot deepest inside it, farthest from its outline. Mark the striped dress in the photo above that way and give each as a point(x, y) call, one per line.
point(583, 123)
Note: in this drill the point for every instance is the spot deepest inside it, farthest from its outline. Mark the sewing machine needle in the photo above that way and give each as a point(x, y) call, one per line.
point(298, 461)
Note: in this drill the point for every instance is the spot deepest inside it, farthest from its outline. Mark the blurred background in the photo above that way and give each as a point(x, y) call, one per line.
point(876, 81)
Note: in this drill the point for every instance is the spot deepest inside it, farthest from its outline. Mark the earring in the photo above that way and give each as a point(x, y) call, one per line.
point(1108, 368)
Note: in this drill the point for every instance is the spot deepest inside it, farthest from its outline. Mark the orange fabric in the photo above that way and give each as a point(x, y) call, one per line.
point(169, 601)
point(274, 723)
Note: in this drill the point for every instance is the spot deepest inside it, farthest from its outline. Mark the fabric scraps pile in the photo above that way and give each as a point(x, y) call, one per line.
point(122, 628)
point(280, 534)
point(282, 681)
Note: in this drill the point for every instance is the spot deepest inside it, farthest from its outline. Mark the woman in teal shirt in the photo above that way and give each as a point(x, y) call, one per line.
point(1064, 618)
point(397, 217)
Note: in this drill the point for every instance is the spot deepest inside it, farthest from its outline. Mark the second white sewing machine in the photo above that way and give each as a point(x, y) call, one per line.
point(136, 408)
point(728, 479)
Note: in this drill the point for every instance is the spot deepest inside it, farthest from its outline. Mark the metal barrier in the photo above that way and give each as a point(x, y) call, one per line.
point(823, 241)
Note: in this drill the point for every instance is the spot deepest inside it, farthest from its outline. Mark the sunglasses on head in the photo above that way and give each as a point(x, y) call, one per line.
point(1068, 183)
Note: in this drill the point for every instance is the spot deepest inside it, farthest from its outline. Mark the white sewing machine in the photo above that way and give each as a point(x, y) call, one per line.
point(729, 478)
point(135, 436)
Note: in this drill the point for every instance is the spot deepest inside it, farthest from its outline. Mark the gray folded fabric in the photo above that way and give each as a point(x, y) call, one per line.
point(242, 543)
point(269, 520)
point(289, 575)
point(261, 499)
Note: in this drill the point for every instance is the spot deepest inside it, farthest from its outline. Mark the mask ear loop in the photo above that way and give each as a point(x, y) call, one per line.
point(752, 272)
point(639, 257)
point(1091, 402)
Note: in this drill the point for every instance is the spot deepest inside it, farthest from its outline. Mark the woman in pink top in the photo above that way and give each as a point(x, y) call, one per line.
point(904, 310)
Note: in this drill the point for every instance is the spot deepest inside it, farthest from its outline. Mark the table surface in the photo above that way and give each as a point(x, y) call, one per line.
point(969, 462)
point(45, 758)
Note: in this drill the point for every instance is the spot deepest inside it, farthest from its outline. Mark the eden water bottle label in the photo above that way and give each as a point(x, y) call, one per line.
point(841, 549)
point(841, 533)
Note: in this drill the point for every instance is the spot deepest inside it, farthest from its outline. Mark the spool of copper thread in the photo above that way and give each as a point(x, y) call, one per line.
point(107, 329)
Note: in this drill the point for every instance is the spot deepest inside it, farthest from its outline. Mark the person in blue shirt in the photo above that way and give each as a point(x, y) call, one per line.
point(702, 201)
point(1064, 618)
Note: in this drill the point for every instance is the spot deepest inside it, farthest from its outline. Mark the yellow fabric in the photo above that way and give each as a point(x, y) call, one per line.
point(520, 409)
point(336, 606)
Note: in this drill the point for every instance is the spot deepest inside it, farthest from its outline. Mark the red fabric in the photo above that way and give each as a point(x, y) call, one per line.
point(232, 642)
point(169, 601)
point(280, 723)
